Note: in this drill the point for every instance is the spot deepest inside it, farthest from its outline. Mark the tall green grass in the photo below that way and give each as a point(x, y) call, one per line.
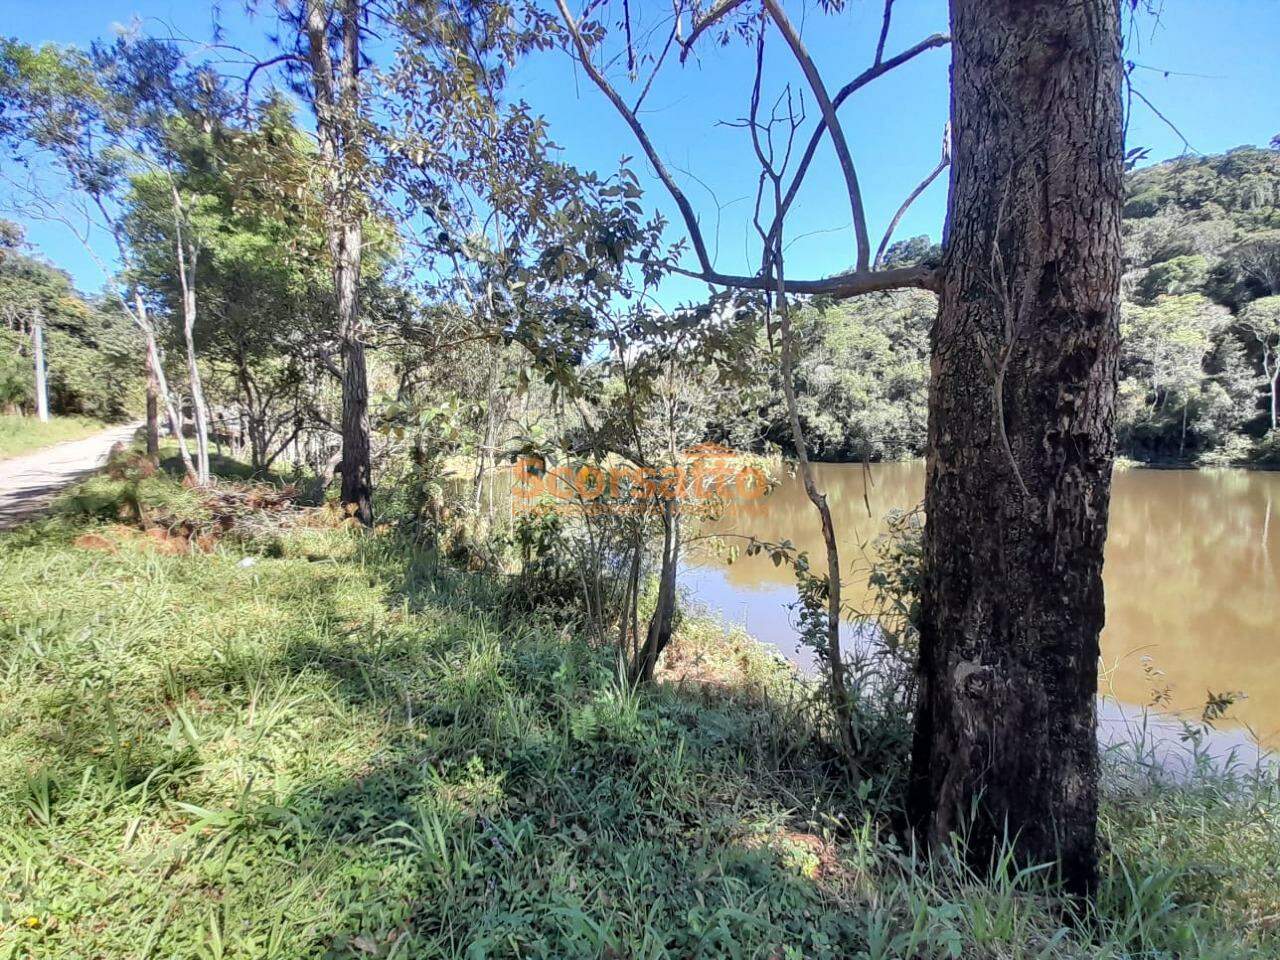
point(351, 750)
point(19, 435)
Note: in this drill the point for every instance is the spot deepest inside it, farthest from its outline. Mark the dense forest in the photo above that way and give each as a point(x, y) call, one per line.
point(374, 641)
point(1200, 335)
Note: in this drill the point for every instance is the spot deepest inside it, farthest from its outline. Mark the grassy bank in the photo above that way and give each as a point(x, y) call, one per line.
point(326, 744)
point(19, 435)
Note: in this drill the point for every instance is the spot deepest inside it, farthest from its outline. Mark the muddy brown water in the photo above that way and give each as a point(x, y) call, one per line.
point(1192, 579)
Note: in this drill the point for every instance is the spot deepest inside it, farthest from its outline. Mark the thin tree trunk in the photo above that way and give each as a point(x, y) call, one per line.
point(156, 368)
point(153, 413)
point(199, 412)
point(660, 623)
point(187, 278)
point(252, 419)
point(831, 655)
point(1012, 598)
point(485, 458)
point(42, 380)
point(1274, 377)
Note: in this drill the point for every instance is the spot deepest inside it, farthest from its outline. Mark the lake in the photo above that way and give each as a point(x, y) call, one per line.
point(1192, 579)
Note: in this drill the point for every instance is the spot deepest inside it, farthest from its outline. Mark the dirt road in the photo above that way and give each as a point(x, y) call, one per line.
point(29, 482)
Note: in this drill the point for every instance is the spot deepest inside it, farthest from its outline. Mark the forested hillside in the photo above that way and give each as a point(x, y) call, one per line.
point(90, 349)
point(1201, 321)
point(1201, 325)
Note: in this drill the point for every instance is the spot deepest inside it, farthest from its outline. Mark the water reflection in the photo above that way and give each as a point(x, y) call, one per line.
point(1191, 576)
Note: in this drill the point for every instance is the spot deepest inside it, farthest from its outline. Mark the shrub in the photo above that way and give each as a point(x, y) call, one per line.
point(1267, 450)
point(1234, 449)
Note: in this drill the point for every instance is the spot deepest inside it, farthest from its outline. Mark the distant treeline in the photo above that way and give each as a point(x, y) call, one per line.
point(1201, 330)
point(90, 347)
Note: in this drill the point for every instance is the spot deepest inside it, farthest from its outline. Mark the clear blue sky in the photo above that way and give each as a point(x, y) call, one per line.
point(1222, 91)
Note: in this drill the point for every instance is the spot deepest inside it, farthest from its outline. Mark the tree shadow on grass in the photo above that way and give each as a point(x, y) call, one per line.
point(411, 776)
point(225, 467)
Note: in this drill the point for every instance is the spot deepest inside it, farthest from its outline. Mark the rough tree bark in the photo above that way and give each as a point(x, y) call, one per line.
point(357, 470)
point(335, 89)
point(1021, 436)
point(153, 414)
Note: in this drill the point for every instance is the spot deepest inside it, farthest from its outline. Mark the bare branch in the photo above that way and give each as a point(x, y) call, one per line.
point(1167, 122)
point(884, 31)
point(675, 26)
point(631, 50)
point(682, 202)
point(263, 65)
point(833, 124)
point(860, 280)
point(943, 162)
point(840, 287)
point(848, 90)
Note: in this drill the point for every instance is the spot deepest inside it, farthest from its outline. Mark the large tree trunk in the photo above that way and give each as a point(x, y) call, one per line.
point(336, 100)
point(42, 379)
point(1021, 436)
point(357, 471)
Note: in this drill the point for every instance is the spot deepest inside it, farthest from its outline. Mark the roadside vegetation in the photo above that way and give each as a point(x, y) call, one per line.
point(19, 434)
point(300, 739)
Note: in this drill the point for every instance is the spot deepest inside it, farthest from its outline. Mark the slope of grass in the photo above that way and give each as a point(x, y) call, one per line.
point(19, 435)
point(348, 750)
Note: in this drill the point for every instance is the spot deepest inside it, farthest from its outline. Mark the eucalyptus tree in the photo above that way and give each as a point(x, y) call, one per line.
point(321, 53)
point(258, 262)
point(55, 114)
point(168, 235)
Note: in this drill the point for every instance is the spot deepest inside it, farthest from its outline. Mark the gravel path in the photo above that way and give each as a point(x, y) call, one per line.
point(29, 482)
